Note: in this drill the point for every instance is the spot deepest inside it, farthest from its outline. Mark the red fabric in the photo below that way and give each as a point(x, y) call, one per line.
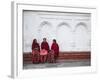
point(35, 45)
point(44, 45)
point(43, 52)
point(55, 48)
point(35, 57)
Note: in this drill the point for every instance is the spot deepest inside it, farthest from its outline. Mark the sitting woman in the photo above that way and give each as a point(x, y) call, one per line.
point(55, 48)
point(36, 56)
point(51, 56)
point(43, 55)
point(35, 51)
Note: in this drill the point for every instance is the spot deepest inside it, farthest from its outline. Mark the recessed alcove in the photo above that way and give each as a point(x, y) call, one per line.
point(45, 31)
point(81, 36)
point(64, 36)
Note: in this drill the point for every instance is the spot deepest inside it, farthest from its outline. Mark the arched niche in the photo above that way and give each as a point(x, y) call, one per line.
point(45, 23)
point(64, 36)
point(84, 25)
point(45, 31)
point(64, 24)
point(82, 37)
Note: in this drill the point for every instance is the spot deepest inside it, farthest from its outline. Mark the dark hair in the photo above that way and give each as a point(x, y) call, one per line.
point(54, 40)
point(44, 38)
point(34, 41)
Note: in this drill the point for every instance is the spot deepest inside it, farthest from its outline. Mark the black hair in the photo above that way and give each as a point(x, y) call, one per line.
point(54, 40)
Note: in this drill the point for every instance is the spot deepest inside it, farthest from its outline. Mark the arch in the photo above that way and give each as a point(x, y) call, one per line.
point(45, 23)
point(81, 36)
point(64, 36)
point(45, 30)
point(64, 23)
point(81, 24)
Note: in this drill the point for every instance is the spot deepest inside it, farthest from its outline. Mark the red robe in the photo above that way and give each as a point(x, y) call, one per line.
point(44, 45)
point(55, 48)
point(35, 45)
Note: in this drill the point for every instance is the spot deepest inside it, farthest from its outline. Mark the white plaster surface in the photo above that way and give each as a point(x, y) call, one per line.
point(71, 30)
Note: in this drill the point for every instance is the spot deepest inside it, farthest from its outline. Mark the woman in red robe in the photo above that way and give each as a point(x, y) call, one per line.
point(35, 51)
point(35, 45)
point(55, 48)
point(44, 46)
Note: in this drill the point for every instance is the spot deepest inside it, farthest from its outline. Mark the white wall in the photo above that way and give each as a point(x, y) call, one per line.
point(71, 30)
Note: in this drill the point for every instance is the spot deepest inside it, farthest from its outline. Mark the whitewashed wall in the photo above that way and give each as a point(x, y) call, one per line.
point(71, 30)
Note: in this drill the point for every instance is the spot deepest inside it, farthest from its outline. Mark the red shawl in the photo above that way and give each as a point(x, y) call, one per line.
point(44, 45)
point(55, 48)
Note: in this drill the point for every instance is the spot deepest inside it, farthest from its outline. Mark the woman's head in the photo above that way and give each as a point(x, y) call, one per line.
point(44, 39)
point(54, 40)
point(35, 41)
